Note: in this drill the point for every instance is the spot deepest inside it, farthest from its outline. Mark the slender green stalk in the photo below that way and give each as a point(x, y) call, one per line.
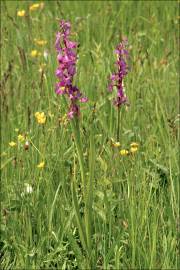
point(75, 127)
point(87, 188)
point(118, 124)
point(78, 218)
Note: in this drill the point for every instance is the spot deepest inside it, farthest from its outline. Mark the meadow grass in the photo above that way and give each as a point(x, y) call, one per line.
point(133, 207)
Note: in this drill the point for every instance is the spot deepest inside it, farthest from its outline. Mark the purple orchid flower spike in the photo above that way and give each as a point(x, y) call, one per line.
point(116, 79)
point(67, 58)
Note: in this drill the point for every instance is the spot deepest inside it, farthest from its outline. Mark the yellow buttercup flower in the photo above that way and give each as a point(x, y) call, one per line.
point(133, 149)
point(21, 13)
point(37, 114)
point(12, 144)
point(40, 117)
point(34, 7)
point(41, 165)
point(40, 42)
point(21, 138)
point(134, 144)
point(114, 143)
point(34, 53)
point(124, 152)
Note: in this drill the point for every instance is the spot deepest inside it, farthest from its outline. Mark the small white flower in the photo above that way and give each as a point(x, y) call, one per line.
point(46, 55)
point(27, 189)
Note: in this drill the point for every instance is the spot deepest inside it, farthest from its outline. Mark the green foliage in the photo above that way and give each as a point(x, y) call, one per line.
point(133, 214)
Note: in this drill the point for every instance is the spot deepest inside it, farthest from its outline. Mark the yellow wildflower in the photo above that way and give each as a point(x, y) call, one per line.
point(124, 152)
point(114, 143)
point(40, 117)
point(21, 138)
point(134, 144)
point(40, 42)
point(37, 114)
point(21, 13)
point(41, 165)
point(34, 53)
point(12, 144)
point(133, 149)
point(34, 7)
point(16, 129)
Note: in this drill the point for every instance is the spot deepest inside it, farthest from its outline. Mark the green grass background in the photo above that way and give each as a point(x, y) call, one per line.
point(135, 198)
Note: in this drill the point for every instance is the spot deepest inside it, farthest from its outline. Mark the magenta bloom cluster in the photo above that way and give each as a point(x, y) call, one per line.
point(67, 58)
point(116, 79)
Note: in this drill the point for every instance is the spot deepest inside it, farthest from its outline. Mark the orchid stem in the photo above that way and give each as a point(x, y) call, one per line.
point(86, 185)
point(118, 124)
point(75, 124)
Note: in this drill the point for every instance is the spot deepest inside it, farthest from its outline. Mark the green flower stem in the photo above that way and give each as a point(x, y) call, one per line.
point(85, 234)
point(118, 124)
point(87, 184)
point(75, 127)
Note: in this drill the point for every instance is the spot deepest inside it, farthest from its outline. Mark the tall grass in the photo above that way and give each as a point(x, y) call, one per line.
point(134, 215)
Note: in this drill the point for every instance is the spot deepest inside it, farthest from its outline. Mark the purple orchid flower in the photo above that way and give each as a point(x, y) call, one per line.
point(67, 58)
point(116, 79)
